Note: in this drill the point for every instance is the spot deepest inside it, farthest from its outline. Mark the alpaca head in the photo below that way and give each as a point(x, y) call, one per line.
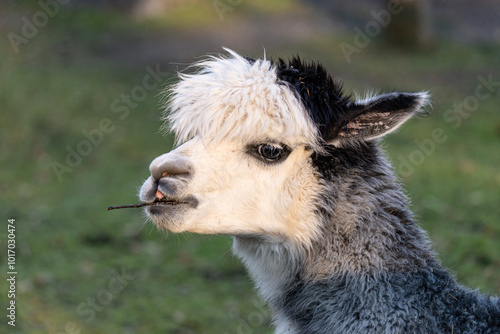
point(247, 131)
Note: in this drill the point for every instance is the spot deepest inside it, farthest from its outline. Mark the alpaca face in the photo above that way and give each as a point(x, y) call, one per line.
point(265, 189)
point(247, 131)
point(243, 164)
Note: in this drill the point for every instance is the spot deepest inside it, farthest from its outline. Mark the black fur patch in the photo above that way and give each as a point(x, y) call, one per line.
point(321, 94)
point(335, 161)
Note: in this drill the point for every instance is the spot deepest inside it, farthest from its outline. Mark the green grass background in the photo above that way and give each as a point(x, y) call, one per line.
point(67, 244)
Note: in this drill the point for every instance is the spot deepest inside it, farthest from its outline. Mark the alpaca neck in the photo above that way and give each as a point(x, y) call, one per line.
point(272, 265)
point(366, 223)
point(383, 238)
point(362, 235)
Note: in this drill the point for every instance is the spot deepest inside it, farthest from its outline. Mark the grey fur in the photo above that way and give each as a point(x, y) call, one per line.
point(373, 270)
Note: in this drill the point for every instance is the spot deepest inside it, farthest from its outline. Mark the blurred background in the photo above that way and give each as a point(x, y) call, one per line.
point(80, 96)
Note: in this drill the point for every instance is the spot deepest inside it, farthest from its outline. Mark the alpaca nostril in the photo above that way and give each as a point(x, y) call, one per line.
point(172, 166)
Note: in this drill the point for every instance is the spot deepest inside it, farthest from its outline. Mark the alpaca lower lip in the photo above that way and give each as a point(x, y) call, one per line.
point(163, 206)
point(159, 208)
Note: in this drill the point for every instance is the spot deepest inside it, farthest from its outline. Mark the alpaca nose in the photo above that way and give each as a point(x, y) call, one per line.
point(171, 166)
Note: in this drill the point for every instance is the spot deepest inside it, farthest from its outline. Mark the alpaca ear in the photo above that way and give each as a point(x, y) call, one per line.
point(377, 116)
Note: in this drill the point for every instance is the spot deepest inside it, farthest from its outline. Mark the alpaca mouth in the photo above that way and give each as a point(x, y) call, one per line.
point(160, 199)
point(168, 202)
point(169, 207)
point(163, 204)
point(156, 201)
point(163, 199)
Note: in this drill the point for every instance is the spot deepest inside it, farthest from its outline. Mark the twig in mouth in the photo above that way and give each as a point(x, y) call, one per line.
point(155, 201)
point(127, 206)
point(134, 205)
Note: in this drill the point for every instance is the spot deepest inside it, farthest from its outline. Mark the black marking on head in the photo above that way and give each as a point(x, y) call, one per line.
point(337, 161)
point(321, 95)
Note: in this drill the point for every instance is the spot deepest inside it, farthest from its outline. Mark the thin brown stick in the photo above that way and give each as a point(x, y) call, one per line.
point(127, 206)
point(156, 200)
point(133, 205)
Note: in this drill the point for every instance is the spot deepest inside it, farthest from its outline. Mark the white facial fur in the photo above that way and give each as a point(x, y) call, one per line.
point(238, 194)
point(215, 114)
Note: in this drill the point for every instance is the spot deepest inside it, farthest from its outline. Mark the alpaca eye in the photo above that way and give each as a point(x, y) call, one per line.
point(270, 152)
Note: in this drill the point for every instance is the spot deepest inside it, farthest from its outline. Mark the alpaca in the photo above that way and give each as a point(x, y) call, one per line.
point(274, 154)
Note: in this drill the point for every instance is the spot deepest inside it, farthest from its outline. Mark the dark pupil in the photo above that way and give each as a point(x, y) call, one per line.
point(270, 152)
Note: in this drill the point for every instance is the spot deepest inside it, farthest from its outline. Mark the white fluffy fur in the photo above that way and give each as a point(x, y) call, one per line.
point(231, 98)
